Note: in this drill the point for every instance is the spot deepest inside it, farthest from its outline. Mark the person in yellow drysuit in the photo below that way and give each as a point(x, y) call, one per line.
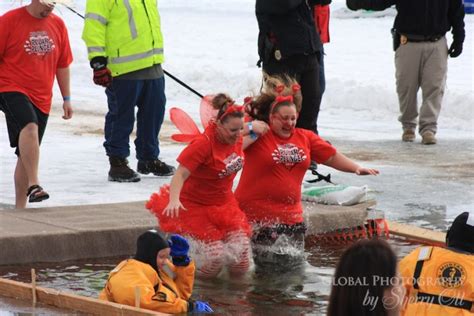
point(164, 286)
point(440, 281)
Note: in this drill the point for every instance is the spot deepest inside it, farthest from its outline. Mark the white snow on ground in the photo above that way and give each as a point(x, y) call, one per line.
point(211, 45)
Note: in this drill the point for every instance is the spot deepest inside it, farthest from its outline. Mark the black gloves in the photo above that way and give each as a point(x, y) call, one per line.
point(102, 75)
point(455, 50)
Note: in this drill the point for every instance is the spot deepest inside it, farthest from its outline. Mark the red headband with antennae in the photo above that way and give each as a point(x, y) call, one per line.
point(280, 99)
point(232, 109)
point(279, 89)
point(295, 88)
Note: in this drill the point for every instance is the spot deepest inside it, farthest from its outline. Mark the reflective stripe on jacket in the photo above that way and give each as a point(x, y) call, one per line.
point(127, 32)
point(439, 281)
point(161, 293)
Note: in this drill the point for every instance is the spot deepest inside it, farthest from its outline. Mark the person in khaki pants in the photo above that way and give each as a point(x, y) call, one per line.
point(422, 65)
point(421, 57)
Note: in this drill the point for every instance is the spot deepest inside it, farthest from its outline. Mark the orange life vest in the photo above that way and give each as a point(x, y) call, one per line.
point(439, 281)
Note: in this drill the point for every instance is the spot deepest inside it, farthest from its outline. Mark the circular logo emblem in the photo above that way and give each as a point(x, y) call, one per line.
point(277, 54)
point(451, 275)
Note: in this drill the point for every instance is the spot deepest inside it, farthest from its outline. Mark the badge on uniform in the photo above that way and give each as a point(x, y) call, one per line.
point(277, 54)
point(451, 275)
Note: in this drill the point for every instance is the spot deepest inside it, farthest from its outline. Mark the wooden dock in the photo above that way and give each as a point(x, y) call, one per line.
point(63, 300)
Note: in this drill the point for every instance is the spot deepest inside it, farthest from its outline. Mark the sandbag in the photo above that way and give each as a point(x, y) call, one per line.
point(335, 194)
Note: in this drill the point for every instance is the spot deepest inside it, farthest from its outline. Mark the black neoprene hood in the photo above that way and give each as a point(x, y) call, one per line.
point(461, 233)
point(148, 245)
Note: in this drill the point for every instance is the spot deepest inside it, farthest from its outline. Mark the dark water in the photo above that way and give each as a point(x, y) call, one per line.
point(303, 291)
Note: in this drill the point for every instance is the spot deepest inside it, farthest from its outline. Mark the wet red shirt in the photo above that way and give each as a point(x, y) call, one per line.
point(270, 186)
point(213, 167)
point(31, 50)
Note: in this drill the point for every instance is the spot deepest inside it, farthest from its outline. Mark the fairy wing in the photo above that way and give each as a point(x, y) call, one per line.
point(183, 138)
point(183, 122)
point(185, 125)
point(206, 111)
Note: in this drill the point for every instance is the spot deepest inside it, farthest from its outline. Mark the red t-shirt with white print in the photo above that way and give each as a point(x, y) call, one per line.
point(213, 167)
point(31, 51)
point(270, 186)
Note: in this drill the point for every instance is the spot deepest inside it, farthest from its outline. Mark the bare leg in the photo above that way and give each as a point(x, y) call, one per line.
point(238, 251)
point(21, 185)
point(214, 259)
point(26, 172)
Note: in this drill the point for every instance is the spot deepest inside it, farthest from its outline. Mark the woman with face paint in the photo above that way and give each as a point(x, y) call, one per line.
point(269, 190)
point(200, 203)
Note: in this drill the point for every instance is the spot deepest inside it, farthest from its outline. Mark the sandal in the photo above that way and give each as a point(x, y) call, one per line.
point(36, 194)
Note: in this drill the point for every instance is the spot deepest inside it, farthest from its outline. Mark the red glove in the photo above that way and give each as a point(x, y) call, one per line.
point(102, 77)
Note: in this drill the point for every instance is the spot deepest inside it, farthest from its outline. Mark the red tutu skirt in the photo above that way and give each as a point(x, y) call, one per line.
point(203, 222)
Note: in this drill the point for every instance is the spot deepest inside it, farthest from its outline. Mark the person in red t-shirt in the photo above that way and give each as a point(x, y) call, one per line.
point(34, 49)
point(269, 190)
point(200, 203)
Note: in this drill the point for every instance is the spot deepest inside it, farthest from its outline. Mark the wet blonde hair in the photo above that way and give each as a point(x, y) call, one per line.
point(259, 107)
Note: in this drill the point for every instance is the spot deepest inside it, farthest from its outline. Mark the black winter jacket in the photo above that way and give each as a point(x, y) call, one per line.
point(421, 17)
point(287, 26)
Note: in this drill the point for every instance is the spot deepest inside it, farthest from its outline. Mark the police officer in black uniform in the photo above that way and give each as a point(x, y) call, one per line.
point(288, 44)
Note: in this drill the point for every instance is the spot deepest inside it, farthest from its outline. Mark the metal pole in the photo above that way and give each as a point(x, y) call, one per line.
point(183, 84)
point(74, 11)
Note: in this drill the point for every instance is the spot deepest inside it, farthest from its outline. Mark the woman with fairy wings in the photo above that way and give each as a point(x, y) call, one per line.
point(199, 202)
point(269, 190)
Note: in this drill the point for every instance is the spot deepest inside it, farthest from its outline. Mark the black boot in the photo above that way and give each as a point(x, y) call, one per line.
point(121, 172)
point(157, 167)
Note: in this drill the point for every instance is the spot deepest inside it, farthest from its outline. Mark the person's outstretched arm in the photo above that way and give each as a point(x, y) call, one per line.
point(172, 209)
point(375, 5)
point(63, 78)
point(184, 279)
point(342, 163)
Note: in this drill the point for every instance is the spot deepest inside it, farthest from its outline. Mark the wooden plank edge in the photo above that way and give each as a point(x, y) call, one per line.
point(412, 232)
point(23, 291)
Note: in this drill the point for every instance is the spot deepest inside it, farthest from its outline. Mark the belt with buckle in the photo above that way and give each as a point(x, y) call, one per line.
point(421, 38)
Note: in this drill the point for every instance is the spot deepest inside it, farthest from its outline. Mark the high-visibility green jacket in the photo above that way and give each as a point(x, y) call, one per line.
point(127, 32)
